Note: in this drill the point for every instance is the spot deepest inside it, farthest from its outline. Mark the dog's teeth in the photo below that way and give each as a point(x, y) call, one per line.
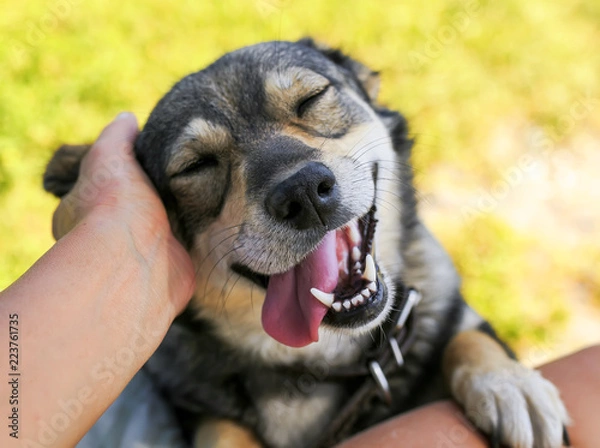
point(356, 266)
point(347, 304)
point(372, 286)
point(337, 306)
point(365, 293)
point(323, 297)
point(355, 253)
point(358, 300)
point(354, 233)
point(369, 274)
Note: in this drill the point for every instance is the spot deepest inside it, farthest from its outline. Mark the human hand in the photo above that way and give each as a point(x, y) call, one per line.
point(104, 295)
point(113, 192)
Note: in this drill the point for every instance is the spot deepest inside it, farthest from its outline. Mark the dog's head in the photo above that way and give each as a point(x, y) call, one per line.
point(280, 174)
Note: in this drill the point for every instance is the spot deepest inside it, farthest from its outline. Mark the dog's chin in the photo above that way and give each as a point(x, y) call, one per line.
point(361, 299)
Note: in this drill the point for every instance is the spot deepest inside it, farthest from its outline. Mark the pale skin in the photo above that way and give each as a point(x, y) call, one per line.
point(94, 308)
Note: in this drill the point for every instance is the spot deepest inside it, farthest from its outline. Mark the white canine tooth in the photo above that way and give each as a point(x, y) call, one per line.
point(337, 306)
point(323, 297)
point(369, 274)
point(366, 293)
point(355, 253)
point(356, 266)
point(347, 304)
point(356, 300)
point(372, 286)
point(361, 300)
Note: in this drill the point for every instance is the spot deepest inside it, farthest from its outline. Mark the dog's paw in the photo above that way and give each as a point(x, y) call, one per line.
point(514, 405)
point(221, 433)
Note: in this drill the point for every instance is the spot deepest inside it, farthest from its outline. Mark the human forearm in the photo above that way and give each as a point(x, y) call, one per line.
point(91, 311)
point(443, 423)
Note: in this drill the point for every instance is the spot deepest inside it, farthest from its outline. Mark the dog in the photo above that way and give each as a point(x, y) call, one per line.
point(323, 304)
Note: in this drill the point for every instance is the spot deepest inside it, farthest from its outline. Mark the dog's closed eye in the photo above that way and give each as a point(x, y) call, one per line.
point(310, 100)
point(202, 163)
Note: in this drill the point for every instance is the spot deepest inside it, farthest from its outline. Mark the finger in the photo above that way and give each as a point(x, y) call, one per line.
point(123, 129)
point(114, 145)
point(106, 159)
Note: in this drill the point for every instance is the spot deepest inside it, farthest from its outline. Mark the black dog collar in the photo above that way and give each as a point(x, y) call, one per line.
point(385, 358)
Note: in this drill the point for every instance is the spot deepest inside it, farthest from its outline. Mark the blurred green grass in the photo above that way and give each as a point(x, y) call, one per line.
point(456, 69)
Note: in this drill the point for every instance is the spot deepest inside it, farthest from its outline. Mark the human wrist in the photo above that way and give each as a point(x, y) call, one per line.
point(122, 229)
point(146, 247)
point(105, 312)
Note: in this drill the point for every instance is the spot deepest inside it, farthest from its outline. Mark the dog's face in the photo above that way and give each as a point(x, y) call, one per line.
point(274, 166)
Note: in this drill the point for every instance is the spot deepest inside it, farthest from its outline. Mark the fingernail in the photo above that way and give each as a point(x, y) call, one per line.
point(123, 115)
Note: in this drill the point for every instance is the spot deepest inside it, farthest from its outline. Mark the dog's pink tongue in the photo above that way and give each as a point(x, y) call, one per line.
point(290, 313)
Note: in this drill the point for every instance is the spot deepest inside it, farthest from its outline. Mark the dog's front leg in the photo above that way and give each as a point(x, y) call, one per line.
point(515, 405)
point(221, 433)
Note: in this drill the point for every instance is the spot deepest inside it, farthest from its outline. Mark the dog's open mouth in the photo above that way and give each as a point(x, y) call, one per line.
point(357, 298)
point(357, 272)
point(337, 284)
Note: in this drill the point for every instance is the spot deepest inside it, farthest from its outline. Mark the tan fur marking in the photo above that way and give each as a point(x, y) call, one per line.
point(205, 132)
point(304, 137)
point(285, 88)
point(198, 135)
point(472, 349)
point(224, 434)
point(370, 81)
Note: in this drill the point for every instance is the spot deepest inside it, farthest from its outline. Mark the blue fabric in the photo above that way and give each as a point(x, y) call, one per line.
point(139, 418)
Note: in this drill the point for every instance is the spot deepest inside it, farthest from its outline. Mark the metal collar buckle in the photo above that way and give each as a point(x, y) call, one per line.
point(377, 371)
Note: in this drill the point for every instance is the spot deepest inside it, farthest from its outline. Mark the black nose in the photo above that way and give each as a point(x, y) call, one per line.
point(307, 199)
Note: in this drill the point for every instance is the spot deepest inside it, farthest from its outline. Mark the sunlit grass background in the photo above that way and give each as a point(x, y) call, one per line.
point(484, 84)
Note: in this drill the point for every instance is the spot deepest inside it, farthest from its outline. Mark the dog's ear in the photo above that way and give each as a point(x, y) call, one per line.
point(367, 79)
point(63, 169)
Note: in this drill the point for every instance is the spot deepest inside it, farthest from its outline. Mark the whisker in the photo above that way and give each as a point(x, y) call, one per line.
point(349, 153)
point(233, 249)
point(235, 226)
point(373, 144)
point(212, 250)
point(230, 290)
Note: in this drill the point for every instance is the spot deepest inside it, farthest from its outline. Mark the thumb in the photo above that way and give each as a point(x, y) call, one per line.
point(114, 144)
point(108, 158)
point(119, 134)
